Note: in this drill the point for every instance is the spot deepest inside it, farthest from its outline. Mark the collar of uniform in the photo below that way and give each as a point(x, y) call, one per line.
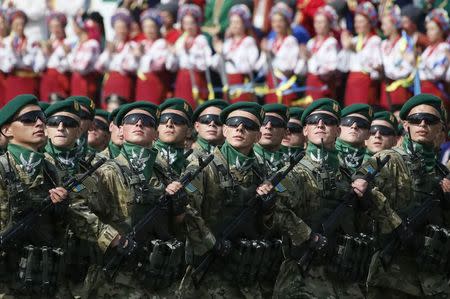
point(267, 156)
point(174, 156)
point(424, 151)
point(67, 158)
point(82, 145)
point(141, 159)
point(235, 158)
point(30, 162)
point(205, 145)
point(114, 150)
point(323, 156)
point(352, 157)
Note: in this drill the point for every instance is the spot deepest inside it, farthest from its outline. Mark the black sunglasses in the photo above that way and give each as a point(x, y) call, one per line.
point(101, 125)
point(31, 117)
point(247, 123)
point(294, 127)
point(84, 115)
point(360, 122)
point(176, 119)
point(327, 119)
point(274, 121)
point(417, 118)
point(146, 120)
point(384, 130)
point(67, 121)
point(208, 118)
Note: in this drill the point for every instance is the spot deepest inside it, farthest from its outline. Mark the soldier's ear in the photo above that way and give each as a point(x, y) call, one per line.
point(305, 130)
point(121, 130)
point(225, 131)
point(405, 125)
point(6, 131)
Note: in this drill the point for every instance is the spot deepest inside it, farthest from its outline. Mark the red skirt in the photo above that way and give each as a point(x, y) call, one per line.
point(154, 88)
point(427, 86)
point(360, 88)
point(84, 85)
point(239, 79)
point(317, 84)
point(3, 100)
point(398, 96)
point(53, 81)
point(272, 97)
point(17, 84)
point(183, 86)
point(119, 84)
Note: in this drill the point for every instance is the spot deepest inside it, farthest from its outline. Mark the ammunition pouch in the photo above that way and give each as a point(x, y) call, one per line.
point(254, 260)
point(40, 271)
point(349, 260)
point(433, 256)
point(161, 264)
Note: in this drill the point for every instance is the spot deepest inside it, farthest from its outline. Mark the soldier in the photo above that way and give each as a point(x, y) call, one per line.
point(216, 197)
point(132, 189)
point(413, 175)
point(355, 125)
point(273, 130)
point(322, 190)
point(294, 141)
point(383, 132)
point(115, 144)
point(174, 127)
point(98, 133)
point(208, 127)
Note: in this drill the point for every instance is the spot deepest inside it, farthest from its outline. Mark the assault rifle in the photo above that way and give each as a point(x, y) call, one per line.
point(251, 210)
point(140, 231)
point(333, 222)
point(24, 224)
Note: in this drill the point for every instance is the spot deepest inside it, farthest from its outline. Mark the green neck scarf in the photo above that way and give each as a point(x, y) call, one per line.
point(114, 150)
point(205, 145)
point(30, 161)
point(323, 156)
point(82, 145)
point(350, 156)
point(235, 158)
point(174, 156)
point(289, 151)
point(67, 158)
point(424, 151)
point(141, 159)
point(273, 159)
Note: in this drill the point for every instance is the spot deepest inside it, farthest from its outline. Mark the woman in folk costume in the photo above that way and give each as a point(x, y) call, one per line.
point(280, 55)
point(398, 62)
point(118, 60)
point(82, 58)
point(152, 81)
point(239, 53)
point(3, 55)
point(56, 78)
point(191, 55)
point(360, 56)
point(319, 59)
point(433, 62)
point(21, 64)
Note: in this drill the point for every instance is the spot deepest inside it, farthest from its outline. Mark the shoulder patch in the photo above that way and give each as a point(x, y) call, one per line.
point(280, 188)
point(78, 188)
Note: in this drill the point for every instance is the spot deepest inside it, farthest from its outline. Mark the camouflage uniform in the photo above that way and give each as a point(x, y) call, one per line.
point(216, 196)
point(271, 161)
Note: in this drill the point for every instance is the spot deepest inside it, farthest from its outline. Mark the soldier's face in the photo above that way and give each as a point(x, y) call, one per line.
point(138, 133)
point(239, 137)
point(173, 133)
point(116, 134)
point(423, 132)
point(210, 131)
point(271, 133)
point(379, 141)
point(85, 123)
point(316, 133)
point(294, 138)
point(61, 135)
point(98, 134)
point(29, 135)
point(354, 134)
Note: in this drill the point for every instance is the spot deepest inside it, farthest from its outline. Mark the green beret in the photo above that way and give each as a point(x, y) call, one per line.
point(70, 106)
point(14, 106)
point(177, 104)
point(85, 102)
point(426, 99)
point(251, 107)
point(325, 104)
point(43, 105)
point(296, 112)
point(280, 109)
point(221, 104)
point(112, 115)
point(103, 114)
point(147, 106)
point(387, 116)
point(363, 109)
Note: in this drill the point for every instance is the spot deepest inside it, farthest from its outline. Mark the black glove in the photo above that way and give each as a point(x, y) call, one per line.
point(178, 202)
point(317, 242)
point(126, 246)
point(222, 248)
